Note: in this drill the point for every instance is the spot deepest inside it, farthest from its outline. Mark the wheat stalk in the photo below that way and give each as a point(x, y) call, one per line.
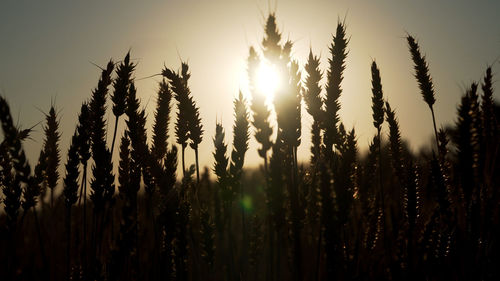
point(334, 75)
point(489, 121)
point(51, 148)
point(102, 182)
point(70, 192)
point(162, 118)
point(119, 96)
point(314, 103)
point(378, 119)
point(188, 124)
point(424, 79)
point(271, 42)
point(240, 138)
point(13, 159)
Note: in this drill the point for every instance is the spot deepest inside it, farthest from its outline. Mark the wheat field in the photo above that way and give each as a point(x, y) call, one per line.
point(388, 214)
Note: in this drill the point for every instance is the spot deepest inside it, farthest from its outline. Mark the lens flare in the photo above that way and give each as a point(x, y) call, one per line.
point(246, 203)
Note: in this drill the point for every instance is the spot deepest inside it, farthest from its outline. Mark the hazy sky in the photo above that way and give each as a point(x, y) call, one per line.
point(47, 46)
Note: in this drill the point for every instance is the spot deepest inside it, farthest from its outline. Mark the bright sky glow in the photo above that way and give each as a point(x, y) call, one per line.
point(268, 80)
point(50, 48)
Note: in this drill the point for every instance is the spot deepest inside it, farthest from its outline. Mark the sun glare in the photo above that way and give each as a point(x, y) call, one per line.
point(268, 79)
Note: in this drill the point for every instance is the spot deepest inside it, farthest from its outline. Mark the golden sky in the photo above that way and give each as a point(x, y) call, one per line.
point(48, 46)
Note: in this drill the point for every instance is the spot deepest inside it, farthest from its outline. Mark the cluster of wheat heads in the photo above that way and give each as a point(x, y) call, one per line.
point(387, 215)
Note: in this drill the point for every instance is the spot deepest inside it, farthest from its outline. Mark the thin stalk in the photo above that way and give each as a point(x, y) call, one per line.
point(83, 194)
point(266, 166)
point(155, 236)
point(183, 164)
point(40, 242)
point(68, 248)
point(279, 251)
point(93, 253)
point(297, 256)
point(114, 134)
point(244, 255)
point(231, 272)
point(346, 247)
point(104, 220)
point(135, 260)
point(197, 165)
point(85, 217)
point(382, 201)
point(435, 130)
point(318, 254)
point(270, 263)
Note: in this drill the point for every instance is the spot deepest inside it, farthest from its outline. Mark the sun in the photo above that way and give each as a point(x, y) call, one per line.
point(268, 80)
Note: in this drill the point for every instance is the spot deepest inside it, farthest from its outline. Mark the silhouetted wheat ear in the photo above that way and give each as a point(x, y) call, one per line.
point(241, 137)
point(51, 148)
point(221, 163)
point(194, 120)
point(97, 107)
point(13, 158)
point(102, 170)
point(476, 138)
point(377, 98)
point(287, 104)
point(378, 119)
point(314, 103)
point(394, 141)
point(70, 189)
point(260, 112)
point(489, 121)
point(421, 72)
point(312, 91)
point(162, 118)
point(475, 112)
point(193, 117)
point(271, 42)
point(136, 128)
point(181, 124)
point(120, 85)
point(102, 182)
point(423, 78)
point(338, 51)
point(31, 191)
point(284, 167)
